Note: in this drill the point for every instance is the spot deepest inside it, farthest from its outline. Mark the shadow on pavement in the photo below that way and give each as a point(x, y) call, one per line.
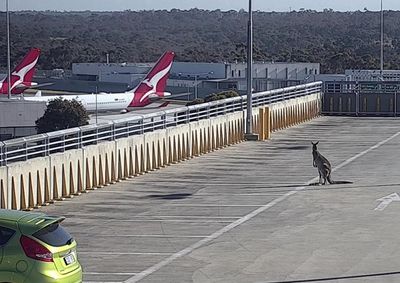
point(339, 277)
point(170, 196)
point(334, 183)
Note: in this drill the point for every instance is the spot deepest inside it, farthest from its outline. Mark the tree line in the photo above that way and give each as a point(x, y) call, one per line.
point(337, 40)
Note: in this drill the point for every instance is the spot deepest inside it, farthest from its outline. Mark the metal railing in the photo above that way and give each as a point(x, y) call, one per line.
point(361, 86)
point(41, 145)
point(364, 98)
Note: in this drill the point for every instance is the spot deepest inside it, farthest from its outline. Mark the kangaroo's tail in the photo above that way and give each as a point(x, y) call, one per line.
point(328, 178)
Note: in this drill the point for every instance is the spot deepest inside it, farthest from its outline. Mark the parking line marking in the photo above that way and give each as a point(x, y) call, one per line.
point(194, 220)
point(215, 205)
point(149, 236)
point(109, 273)
point(122, 253)
point(160, 217)
point(269, 193)
point(177, 220)
point(245, 218)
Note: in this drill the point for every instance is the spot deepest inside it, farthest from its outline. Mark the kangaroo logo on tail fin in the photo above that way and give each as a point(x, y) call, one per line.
point(323, 165)
point(21, 76)
point(155, 81)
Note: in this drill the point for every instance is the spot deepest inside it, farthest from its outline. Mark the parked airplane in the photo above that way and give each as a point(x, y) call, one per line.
point(21, 76)
point(150, 89)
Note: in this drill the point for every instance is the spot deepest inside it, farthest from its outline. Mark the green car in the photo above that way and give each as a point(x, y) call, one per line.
point(34, 248)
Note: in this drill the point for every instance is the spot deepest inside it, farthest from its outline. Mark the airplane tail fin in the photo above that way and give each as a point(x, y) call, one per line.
point(22, 74)
point(154, 82)
point(26, 68)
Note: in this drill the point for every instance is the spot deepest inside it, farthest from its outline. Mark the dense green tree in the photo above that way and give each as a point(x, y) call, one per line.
point(337, 40)
point(62, 114)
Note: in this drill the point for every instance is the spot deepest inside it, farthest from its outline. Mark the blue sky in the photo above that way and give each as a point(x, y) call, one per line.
point(263, 5)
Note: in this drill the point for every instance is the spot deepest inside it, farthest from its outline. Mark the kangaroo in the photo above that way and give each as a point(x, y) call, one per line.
point(323, 165)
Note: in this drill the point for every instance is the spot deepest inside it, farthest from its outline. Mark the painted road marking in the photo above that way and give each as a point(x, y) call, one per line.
point(179, 220)
point(159, 217)
point(122, 253)
point(148, 236)
point(244, 219)
point(109, 273)
point(385, 201)
point(214, 205)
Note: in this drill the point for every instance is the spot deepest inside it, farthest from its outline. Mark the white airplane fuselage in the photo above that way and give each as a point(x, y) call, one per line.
point(150, 89)
point(104, 102)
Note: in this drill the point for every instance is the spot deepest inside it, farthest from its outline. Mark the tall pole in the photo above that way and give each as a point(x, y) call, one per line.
point(382, 40)
point(97, 90)
point(195, 86)
point(8, 52)
point(249, 72)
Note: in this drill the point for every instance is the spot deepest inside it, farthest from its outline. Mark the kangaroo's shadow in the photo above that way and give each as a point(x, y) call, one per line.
point(333, 183)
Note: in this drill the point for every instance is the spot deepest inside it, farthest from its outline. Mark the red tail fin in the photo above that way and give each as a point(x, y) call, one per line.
point(155, 81)
point(24, 71)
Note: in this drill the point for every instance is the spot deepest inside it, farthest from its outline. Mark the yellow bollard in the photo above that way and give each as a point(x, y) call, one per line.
point(31, 201)
point(267, 123)
point(13, 194)
point(261, 114)
point(38, 191)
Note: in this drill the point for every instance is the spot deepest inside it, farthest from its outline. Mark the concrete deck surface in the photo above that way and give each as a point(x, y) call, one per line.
point(247, 213)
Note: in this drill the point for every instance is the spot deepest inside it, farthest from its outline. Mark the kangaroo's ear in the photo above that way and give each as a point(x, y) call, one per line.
point(317, 143)
point(312, 143)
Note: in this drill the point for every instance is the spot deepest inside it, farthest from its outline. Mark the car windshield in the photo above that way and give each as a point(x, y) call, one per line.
point(54, 235)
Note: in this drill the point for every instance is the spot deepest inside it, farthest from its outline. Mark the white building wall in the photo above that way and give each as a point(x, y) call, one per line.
point(281, 71)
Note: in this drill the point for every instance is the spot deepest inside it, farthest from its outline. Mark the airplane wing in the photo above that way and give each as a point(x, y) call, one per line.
point(21, 86)
point(165, 104)
point(179, 94)
point(171, 99)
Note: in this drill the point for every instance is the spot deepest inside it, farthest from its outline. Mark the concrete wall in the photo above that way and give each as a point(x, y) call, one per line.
point(44, 180)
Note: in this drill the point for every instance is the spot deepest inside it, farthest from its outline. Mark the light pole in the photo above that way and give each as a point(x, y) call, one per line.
point(249, 72)
point(382, 40)
point(195, 86)
point(249, 135)
point(97, 90)
point(8, 52)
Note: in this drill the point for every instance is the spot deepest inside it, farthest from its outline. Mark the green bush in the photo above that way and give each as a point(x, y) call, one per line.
point(196, 101)
point(230, 93)
point(62, 114)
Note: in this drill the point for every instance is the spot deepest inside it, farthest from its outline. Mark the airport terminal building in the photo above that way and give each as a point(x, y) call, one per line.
point(212, 76)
